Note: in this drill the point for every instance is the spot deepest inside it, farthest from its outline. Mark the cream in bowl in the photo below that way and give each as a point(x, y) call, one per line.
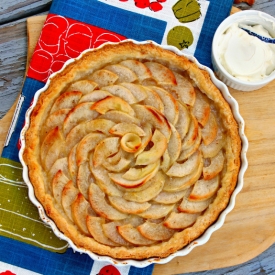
point(243, 54)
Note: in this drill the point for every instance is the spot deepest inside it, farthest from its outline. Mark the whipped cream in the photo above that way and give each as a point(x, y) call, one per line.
point(244, 56)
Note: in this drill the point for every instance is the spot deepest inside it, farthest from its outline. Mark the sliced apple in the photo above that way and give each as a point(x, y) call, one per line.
point(86, 127)
point(138, 91)
point(58, 183)
point(201, 108)
point(86, 145)
point(182, 125)
point(124, 74)
point(101, 207)
point(168, 197)
point(59, 164)
point(153, 99)
point(72, 163)
point(155, 152)
point(104, 78)
point(215, 166)
point(192, 133)
point(184, 89)
point(84, 86)
point(185, 168)
point(132, 235)
point(193, 207)
point(94, 226)
point(104, 149)
point(69, 194)
point(138, 173)
point(204, 189)
point(161, 74)
point(145, 139)
point(174, 145)
point(121, 165)
point(154, 187)
point(171, 108)
point(81, 112)
point(157, 211)
point(129, 207)
point(130, 142)
point(121, 129)
point(66, 100)
point(140, 70)
point(210, 130)
point(94, 96)
point(122, 92)
point(80, 211)
point(180, 220)
point(118, 117)
point(155, 231)
point(178, 184)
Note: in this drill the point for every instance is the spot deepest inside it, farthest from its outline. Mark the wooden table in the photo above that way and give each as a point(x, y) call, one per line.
point(13, 53)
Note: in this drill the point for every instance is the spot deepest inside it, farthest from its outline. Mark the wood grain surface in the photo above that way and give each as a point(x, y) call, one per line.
point(250, 228)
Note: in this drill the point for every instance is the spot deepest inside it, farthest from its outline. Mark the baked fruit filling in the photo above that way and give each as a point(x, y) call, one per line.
point(132, 151)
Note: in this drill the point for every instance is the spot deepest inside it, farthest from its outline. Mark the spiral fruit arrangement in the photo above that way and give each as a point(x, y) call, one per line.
point(132, 151)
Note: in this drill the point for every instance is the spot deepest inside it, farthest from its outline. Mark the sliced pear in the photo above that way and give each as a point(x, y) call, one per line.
point(58, 183)
point(80, 210)
point(124, 74)
point(110, 230)
point(84, 86)
point(122, 92)
point(84, 178)
point(193, 207)
point(138, 173)
point(132, 235)
point(72, 163)
point(84, 128)
point(94, 96)
point(66, 100)
point(104, 78)
point(119, 179)
point(180, 220)
point(104, 149)
point(161, 74)
point(130, 142)
point(210, 130)
point(215, 166)
point(153, 99)
point(94, 226)
point(121, 129)
point(69, 194)
point(155, 231)
point(81, 112)
point(155, 152)
point(178, 184)
point(140, 70)
point(101, 207)
point(168, 197)
point(86, 145)
point(182, 125)
point(186, 153)
point(157, 211)
point(184, 89)
point(154, 187)
point(138, 91)
point(112, 103)
point(185, 168)
point(201, 108)
point(204, 189)
point(128, 207)
point(118, 117)
point(148, 114)
point(171, 108)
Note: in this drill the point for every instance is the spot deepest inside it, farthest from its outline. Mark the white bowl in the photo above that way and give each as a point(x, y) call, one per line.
point(187, 249)
point(250, 17)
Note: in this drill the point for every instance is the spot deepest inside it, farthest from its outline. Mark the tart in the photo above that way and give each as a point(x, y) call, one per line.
point(132, 151)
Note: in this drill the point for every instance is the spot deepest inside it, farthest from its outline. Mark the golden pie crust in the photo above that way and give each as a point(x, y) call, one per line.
point(132, 151)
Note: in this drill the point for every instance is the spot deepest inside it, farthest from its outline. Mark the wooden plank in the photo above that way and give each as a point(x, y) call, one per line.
point(16, 9)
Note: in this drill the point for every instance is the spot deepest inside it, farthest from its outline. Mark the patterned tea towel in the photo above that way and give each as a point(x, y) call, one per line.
point(27, 245)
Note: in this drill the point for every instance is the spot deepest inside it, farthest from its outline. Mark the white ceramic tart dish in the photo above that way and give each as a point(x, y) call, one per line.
point(134, 153)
